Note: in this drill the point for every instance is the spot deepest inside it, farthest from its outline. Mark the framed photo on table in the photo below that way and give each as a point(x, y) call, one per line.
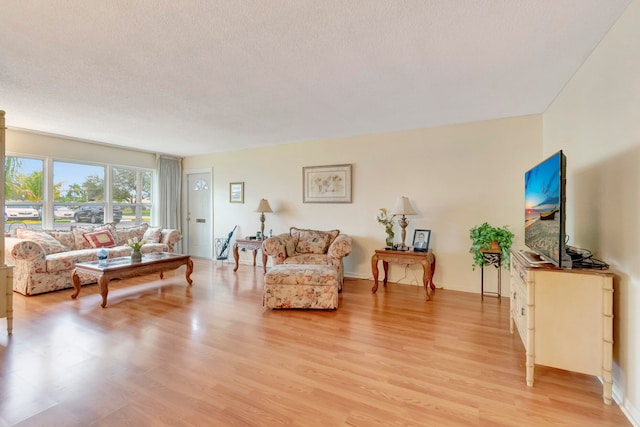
point(326, 184)
point(236, 192)
point(421, 240)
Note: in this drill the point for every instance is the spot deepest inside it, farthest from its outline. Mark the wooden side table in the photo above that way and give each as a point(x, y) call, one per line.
point(426, 259)
point(251, 245)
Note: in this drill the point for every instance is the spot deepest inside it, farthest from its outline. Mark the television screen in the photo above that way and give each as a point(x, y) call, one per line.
point(544, 187)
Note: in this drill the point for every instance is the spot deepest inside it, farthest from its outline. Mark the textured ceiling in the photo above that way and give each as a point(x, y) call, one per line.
point(189, 77)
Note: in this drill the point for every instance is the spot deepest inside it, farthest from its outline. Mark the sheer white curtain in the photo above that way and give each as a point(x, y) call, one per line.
point(169, 181)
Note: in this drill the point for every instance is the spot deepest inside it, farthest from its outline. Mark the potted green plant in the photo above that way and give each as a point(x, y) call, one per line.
point(482, 238)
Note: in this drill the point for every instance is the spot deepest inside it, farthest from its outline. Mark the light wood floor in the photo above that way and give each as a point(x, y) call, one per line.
point(162, 353)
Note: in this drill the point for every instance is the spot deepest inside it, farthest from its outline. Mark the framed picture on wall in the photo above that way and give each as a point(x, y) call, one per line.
point(326, 184)
point(236, 192)
point(421, 240)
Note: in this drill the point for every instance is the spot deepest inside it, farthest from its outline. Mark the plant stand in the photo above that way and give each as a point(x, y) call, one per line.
point(495, 259)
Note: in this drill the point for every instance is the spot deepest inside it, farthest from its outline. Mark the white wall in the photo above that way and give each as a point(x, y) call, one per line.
point(456, 176)
point(596, 120)
point(61, 148)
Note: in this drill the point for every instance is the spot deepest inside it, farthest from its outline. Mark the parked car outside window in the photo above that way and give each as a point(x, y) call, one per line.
point(20, 212)
point(95, 214)
point(62, 212)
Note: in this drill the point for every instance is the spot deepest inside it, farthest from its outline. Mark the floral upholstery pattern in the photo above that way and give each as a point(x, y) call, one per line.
point(152, 235)
point(312, 241)
point(283, 249)
point(124, 234)
point(65, 237)
point(78, 234)
point(36, 271)
point(301, 286)
point(49, 244)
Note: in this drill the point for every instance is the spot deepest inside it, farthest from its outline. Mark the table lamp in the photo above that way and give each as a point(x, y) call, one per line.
point(263, 207)
point(403, 207)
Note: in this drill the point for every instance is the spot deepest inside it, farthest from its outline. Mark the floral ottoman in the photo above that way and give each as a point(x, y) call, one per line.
point(301, 286)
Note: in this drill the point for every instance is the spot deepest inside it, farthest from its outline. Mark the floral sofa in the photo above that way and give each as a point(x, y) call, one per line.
point(45, 259)
point(304, 246)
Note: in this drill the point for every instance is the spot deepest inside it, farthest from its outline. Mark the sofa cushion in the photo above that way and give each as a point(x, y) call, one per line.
point(313, 259)
point(78, 234)
point(100, 239)
point(313, 241)
point(148, 248)
point(49, 244)
point(63, 236)
point(301, 286)
point(153, 235)
point(65, 261)
point(126, 233)
point(290, 246)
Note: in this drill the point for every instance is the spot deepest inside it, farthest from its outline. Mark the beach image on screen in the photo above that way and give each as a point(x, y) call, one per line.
point(542, 207)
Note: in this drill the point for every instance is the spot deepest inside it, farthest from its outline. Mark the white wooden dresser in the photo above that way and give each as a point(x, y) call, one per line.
point(564, 318)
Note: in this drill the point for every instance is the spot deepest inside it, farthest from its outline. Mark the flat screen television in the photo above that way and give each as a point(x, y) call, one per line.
point(544, 220)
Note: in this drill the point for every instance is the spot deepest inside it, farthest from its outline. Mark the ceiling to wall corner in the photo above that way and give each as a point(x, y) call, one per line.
point(195, 77)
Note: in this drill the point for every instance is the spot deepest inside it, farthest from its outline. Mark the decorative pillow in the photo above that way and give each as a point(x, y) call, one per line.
point(290, 246)
point(100, 239)
point(126, 233)
point(49, 244)
point(78, 234)
point(63, 236)
point(153, 235)
point(313, 241)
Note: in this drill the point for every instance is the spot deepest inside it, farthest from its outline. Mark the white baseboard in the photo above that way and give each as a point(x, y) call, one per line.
point(632, 413)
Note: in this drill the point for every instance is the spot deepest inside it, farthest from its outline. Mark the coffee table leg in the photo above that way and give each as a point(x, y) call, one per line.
point(189, 271)
point(103, 283)
point(75, 280)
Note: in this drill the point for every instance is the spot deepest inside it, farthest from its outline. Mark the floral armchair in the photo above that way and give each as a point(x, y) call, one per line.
point(303, 246)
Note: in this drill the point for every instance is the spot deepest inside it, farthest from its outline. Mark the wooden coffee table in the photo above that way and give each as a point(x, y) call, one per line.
point(122, 268)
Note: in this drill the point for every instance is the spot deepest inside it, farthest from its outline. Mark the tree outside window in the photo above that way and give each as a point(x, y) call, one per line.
point(132, 191)
point(78, 193)
point(23, 192)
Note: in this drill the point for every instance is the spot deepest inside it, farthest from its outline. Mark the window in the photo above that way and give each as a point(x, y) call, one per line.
point(59, 194)
point(24, 186)
point(132, 194)
point(78, 183)
point(79, 193)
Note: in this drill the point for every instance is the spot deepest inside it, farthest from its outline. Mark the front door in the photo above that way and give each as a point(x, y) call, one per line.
point(199, 231)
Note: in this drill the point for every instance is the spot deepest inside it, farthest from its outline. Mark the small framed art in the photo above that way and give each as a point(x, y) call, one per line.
point(421, 240)
point(236, 192)
point(326, 184)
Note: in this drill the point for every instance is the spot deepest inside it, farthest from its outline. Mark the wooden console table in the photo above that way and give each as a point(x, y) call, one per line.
point(426, 259)
point(251, 245)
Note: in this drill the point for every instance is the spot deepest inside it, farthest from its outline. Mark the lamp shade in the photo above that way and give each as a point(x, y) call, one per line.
point(403, 207)
point(263, 206)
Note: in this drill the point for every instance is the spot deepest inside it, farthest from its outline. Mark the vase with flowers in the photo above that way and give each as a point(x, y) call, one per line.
point(387, 221)
point(136, 245)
